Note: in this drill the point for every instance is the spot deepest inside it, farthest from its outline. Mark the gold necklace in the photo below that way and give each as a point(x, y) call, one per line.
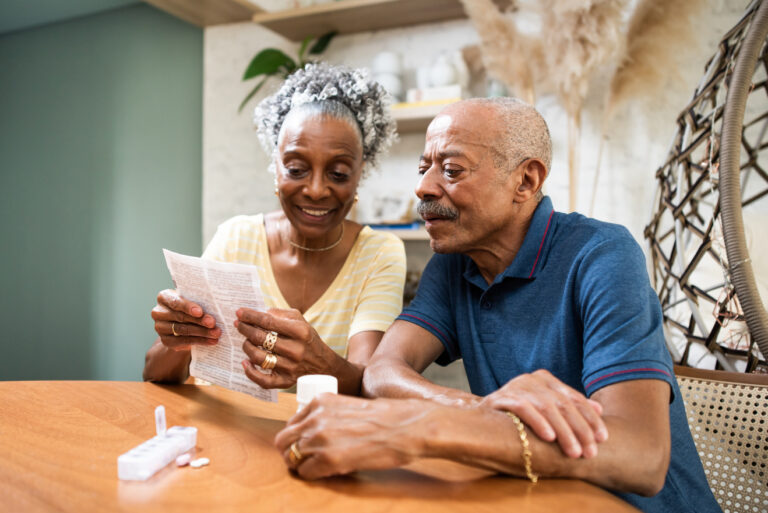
point(299, 246)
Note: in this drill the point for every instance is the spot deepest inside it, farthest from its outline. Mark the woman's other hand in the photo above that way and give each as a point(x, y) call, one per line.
point(182, 323)
point(297, 347)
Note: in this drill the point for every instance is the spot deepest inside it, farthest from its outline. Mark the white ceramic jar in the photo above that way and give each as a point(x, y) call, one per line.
point(441, 73)
point(391, 83)
point(387, 62)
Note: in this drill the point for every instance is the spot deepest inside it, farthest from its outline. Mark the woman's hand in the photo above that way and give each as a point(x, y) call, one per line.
point(182, 323)
point(298, 348)
point(554, 411)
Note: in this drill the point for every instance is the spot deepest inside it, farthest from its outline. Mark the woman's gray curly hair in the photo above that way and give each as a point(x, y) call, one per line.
point(322, 83)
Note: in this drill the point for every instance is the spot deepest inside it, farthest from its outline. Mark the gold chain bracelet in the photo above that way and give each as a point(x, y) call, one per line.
point(527, 454)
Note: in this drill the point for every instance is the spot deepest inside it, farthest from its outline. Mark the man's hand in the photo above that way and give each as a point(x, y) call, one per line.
point(554, 411)
point(338, 434)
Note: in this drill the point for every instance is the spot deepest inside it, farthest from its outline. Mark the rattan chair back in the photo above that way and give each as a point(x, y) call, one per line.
point(728, 418)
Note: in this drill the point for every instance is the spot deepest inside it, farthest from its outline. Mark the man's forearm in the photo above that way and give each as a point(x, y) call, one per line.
point(627, 462)
point(390, 377)
point(387, 433)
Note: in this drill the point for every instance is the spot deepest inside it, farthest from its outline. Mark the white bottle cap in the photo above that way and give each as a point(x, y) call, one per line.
point(311, 385)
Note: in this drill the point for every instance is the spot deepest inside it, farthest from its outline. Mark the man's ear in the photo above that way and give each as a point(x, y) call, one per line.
point(531, 175)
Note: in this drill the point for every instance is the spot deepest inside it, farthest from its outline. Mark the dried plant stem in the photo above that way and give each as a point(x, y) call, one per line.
point(574, 136)
point(581, 35)
point(596, 178)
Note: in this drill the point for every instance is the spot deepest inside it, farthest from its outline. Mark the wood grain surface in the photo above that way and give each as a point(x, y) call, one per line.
point(353, 16)
point(59, 443)
point(205, 13)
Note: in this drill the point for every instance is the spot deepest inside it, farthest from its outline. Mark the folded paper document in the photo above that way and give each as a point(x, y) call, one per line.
point(220, 289)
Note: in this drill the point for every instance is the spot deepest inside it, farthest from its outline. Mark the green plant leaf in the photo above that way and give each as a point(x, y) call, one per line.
point(250, 95)
point(304, 45)
point(322, 43)
point(268, 62)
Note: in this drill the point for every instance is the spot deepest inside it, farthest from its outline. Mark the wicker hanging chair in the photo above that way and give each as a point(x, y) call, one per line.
point(702, 269)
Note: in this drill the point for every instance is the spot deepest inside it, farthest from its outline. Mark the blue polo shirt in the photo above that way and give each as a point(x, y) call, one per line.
point(576, 300)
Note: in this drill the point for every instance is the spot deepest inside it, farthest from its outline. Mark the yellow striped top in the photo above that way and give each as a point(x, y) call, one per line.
point(366, 295)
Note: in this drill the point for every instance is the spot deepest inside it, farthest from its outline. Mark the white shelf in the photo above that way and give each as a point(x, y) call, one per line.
point(416, 117)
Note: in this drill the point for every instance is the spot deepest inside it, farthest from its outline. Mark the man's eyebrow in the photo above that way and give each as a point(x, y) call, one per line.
point(445, 154)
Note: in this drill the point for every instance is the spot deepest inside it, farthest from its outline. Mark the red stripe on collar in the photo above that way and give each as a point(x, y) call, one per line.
point(542, 244)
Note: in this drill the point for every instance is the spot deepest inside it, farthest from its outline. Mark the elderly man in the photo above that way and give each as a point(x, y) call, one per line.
point(545, 309)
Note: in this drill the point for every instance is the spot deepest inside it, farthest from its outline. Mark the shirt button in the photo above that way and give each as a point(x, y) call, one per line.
point(486, 305)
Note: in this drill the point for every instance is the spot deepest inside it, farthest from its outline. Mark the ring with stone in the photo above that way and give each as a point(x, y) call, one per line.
point(270, 341)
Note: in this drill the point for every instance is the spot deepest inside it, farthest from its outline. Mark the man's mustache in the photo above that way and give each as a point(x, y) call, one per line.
point(433, 208)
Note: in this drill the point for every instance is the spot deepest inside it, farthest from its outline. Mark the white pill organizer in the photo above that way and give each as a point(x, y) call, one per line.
point(143, 461)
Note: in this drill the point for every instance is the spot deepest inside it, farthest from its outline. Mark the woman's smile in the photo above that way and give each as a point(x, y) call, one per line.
point(317, 213)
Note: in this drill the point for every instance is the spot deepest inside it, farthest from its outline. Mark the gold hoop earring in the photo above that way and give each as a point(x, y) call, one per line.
point(356, 197)
point(277, 192)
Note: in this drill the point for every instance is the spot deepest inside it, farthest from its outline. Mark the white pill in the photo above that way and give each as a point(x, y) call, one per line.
point(184, 459)
point(199, 462)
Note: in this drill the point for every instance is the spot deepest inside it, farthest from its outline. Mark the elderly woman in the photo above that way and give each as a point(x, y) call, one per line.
point(332, 285)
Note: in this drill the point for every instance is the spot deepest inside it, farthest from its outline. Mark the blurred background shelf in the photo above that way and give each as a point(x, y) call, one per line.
point(416, 117)
point(351, 16)
point(204, 13)
point(407, 234)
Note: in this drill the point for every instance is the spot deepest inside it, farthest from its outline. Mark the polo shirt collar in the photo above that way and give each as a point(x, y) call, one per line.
point(529, 258)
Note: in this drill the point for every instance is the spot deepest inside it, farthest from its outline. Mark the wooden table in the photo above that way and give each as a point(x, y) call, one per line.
point(59, 443)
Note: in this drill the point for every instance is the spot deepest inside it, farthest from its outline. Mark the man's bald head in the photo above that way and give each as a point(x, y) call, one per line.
point(481, 173)
point(520, 131)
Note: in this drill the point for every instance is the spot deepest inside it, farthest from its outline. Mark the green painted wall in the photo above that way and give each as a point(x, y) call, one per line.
point(100, 167)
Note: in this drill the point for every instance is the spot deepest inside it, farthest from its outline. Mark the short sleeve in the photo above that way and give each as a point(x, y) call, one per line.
point(381, 297)
point(431, 308)
point(621, 315)
point(233, 237)
point(217, 248)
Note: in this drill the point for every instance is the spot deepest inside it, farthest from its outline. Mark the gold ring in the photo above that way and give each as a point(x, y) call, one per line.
point(270, 341)
point(173, 329)
point(269, 362)
point(295, 454)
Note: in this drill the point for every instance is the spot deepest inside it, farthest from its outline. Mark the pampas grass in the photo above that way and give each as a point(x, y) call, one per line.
point(508, 55)
point(659, 31)
point(580, 36)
